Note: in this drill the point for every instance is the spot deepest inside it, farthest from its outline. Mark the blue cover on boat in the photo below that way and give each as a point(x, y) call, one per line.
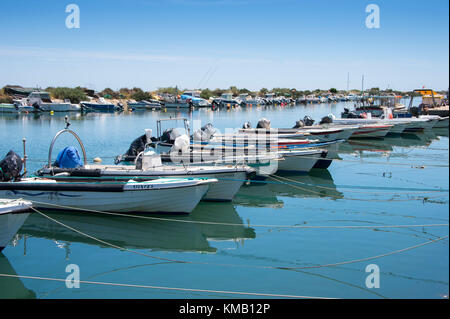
point(68, 158)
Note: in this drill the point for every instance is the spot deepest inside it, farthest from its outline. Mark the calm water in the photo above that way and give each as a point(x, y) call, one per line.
point(395, 181)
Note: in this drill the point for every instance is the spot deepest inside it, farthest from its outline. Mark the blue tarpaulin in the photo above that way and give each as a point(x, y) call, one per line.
point(68, 158)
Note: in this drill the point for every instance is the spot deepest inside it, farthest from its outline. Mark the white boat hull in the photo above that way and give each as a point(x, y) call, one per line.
point(172, 196)
point(9, 225)
point(59, 107)
point(294, 162)
point(12, 216)
point(371, 132)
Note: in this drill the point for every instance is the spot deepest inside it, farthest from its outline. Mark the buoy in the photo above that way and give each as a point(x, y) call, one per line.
point(97, 160)
point(52, 112)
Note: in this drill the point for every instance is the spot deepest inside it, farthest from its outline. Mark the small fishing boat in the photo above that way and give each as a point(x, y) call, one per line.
point(8, 108)
point(397, 126)
point(41, 102)
point(144, 105)
point(13, 214)
point(442, 122)
point(162, 195)
point(174, 195)
point(100, 106)
point(225, 100)
point(322, 132)
point(188, 99)
point(148, 166)
point(301, 161)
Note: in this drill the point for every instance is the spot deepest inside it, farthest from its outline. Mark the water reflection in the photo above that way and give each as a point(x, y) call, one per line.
point(10, 287)
point(166, 233)
point(318, 183)
point(387, 144)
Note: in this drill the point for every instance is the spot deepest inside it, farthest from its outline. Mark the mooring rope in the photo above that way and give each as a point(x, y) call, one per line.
point(102, 241)
point(247, 266)
point(354, 191)
point(349, 198)
point(240, 225)
point(168, 288)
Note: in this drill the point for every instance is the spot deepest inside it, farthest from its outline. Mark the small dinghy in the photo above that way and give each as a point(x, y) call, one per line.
point(13, 214)
point(162, 195)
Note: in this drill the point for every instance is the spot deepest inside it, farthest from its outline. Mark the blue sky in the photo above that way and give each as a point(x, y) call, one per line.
point(218, 43)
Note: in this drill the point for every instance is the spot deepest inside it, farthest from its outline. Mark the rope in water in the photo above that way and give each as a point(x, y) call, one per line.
point(354, 199)
point(249, 266)
point(354, 191)
point(168, 288)
point(99, 240)
point(240, 225)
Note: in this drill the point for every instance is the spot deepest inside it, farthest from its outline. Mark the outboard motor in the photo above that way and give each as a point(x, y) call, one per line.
point(247, 125)
point(200, 135)
point(10, 167)
point(263, 123)
point(209, 130)
point(136, 147)
point(326, 120)
point(181, 144)
point(299, 124)
point(308, 121)
point(169, 136)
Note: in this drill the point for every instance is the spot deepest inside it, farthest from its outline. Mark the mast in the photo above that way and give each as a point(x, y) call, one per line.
point(348, 81)
point(362, 85)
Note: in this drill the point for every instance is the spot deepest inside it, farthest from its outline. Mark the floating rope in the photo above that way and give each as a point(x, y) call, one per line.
point(168, 288)
point(249, 266)
point(367, 187)
point(348, 198)
point(240, 225)
point(102, 241)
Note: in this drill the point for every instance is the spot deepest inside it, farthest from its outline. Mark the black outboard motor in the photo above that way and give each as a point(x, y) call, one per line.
point(209, 129)
point(137, 146)
point(299, 124)
point(326, 120)
point(169, 136)
point(247, 125)
point(263, 123)
point(10, 167)
point(308, 121)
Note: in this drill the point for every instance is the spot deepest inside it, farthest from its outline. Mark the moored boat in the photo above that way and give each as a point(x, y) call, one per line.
point(164, 195)
point(13, 213)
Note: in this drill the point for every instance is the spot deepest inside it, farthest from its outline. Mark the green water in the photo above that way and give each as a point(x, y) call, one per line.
point(237, 247)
